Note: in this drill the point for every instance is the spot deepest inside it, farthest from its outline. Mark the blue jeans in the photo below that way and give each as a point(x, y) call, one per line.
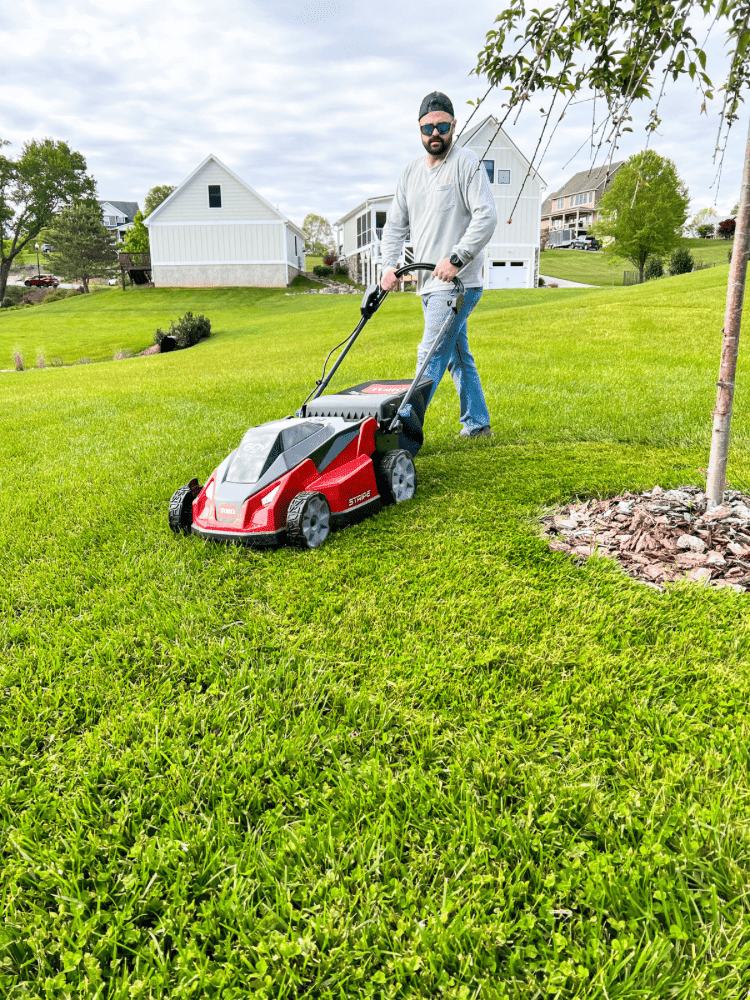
point(455, 356)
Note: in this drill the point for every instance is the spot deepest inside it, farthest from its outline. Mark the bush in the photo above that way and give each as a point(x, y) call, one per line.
point(55, 296)
point(79, 290)
point(330, 259)
point(186, 331)
point(57, 362)
point(654, 268)
point(341, 268)
point(706, 231)
point(18, 360)
point(681, 261)
point(540, 282)
point(13, 296)
point(322, 270)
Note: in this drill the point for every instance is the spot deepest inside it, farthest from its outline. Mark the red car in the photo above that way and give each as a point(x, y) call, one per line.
point(42, 281)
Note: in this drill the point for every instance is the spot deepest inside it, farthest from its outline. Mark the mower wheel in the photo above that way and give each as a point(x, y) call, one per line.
point(308, 522)
point(181, 510)
point(396, 477)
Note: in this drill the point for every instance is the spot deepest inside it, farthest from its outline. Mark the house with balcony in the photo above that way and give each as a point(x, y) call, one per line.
point(118, 217)
point(511, 259)
point(571, 211)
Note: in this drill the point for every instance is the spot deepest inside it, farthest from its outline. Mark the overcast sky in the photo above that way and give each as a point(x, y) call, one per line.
point(311, 102)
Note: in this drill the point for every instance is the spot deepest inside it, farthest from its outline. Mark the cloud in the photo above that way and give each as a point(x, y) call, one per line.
point(312, 102)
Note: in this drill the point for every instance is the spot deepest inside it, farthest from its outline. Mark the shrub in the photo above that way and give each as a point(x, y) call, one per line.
point(84, 361)
point(654, 269)
point(322, 270)
point(122, 355)
point(726, 228)
point(55, 296)
point(681, 261)
point(186, 331)
point(18, 360)
point(78, 290)
point(341, 268)
point(330, 259)
point(13, 296)
point(40, 361)
point(541, 282)
point(57, 362)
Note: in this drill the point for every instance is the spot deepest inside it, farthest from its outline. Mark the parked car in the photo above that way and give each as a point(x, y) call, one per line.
point(46, 248)
point(585, 243)
point(42, 281)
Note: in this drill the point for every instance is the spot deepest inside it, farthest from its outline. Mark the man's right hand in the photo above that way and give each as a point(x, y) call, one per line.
point(389, 281)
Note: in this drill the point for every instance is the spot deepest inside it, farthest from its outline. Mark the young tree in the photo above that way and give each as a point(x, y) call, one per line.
point(83, 247)
point(643, 211)
point(706, 231)
point(46, 176)
point(136, 238)
point(727, 228)
point(155, 197)
point(623, 52)
point(318, 235)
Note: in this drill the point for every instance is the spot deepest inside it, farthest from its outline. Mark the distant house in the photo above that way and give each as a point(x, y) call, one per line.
point(118, 216)
point(214, 229)
point(571, 211)
point(511, 259)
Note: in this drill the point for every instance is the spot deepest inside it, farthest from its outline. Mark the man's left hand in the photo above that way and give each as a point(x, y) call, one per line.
point(444, 270)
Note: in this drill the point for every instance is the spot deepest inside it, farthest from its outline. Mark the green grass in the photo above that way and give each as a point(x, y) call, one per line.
point(431, 759)
point(593, 269)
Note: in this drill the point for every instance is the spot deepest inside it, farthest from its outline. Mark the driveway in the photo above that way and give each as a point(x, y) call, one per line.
point(563, 283)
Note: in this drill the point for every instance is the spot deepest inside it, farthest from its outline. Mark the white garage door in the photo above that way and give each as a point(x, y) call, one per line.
point(508, 274)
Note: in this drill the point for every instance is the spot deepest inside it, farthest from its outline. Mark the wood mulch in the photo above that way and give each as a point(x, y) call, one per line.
point(660, 536)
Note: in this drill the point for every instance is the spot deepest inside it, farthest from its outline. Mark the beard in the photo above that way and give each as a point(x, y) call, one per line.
point(432, 147)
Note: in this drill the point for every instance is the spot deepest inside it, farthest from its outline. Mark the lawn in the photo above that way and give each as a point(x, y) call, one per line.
point(430, 759)
point(592, 269)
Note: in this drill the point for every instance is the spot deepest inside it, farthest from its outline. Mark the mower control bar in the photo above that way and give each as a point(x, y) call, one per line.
point(371, 302)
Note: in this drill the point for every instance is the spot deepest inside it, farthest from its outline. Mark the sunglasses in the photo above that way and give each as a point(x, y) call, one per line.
point(443, 128)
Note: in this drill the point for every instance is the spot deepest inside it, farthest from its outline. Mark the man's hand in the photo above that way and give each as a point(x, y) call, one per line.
point(445, 271)
point(389, 281)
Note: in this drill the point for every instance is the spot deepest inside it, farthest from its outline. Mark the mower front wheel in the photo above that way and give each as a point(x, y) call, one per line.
point(308, 521)
point(396, 477)
point(181, 508)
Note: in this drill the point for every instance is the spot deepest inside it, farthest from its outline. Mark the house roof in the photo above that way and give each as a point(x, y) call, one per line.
point(126, 208)
point(464, 140)
point(584, 180)
point(180, 187)
point(362, 206)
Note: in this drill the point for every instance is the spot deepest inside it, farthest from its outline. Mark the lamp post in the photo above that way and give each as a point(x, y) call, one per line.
point(38, 272)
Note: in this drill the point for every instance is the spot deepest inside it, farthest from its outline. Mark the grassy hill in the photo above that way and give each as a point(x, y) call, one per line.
point(592, 268)
point(432, 758)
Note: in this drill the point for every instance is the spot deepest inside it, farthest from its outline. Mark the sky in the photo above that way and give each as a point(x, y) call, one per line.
point(313, 103)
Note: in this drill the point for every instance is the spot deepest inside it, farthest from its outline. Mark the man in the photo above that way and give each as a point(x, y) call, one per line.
point(445, 201)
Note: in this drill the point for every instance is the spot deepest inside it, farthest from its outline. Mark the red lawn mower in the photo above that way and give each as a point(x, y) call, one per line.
point(338, 459)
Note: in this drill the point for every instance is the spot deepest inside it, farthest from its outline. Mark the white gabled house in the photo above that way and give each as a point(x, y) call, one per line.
point(511, 259)
point(214, 229)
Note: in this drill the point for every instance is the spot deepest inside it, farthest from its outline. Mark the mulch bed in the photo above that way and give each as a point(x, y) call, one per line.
point(661, 536)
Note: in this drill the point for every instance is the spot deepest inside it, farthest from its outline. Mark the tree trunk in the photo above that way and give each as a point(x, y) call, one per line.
point(4, 272)
point(717, 463)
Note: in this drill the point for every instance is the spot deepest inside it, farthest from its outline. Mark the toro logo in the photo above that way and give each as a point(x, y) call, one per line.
point(358, 499)
point(385, 390)
point(226, 511)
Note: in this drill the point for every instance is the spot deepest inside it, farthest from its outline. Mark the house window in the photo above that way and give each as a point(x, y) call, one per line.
point(363, 230)
point(214, 195)
point(295, 246)
point(379, 224)
point(582, 199)
point(489, 166)
point(503, 177)
point(561, 203)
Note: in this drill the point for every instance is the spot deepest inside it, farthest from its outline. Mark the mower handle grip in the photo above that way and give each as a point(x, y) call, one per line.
point(375, 294)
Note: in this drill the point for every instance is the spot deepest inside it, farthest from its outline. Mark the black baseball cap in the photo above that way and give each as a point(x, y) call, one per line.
point(435, 102)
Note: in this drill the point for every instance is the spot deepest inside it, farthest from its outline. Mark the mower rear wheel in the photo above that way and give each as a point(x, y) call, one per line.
point(308, 522)
point(181, 510)
point(396, 477)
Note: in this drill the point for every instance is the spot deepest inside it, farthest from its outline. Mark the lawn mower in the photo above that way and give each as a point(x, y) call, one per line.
point(340, 458)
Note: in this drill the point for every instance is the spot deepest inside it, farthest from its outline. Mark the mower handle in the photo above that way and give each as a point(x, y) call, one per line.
point(375, 294)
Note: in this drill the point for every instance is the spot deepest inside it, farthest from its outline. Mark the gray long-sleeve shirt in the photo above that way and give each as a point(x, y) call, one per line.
point(446, 209)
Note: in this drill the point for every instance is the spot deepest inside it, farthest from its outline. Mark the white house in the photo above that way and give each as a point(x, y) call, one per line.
point(512, 255)
point(118, 216)
point(214, 229)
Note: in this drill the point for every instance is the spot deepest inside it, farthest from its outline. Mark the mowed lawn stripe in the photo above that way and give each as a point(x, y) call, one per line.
point(432, 756)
